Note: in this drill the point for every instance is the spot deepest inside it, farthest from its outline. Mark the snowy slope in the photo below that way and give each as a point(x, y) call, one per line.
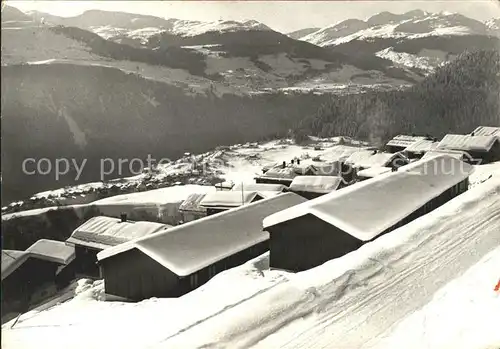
point(182, 28)
point(238, 163)
point(400, 291)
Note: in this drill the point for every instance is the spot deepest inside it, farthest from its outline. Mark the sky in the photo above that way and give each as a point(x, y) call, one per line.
point(283, 16)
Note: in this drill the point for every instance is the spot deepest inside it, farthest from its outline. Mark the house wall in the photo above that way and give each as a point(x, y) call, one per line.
point(306, 242)
point(286, 182)
point(199, 278)
point(347, 172)
point(432, 205)
point(413, 155)
point(86, 261)
point(394, 149)
point(307, 194)
point(211, 211)
point(189, 216)
point(33, 281)
point(135, 276)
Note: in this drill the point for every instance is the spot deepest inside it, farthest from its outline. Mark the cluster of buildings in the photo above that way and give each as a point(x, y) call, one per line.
point(303, 213)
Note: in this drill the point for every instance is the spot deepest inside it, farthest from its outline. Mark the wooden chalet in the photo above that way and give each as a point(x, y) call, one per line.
point(260, 187)
point(482, 149)
point(486, 131)
point(460, 155)
point(176, 261)
point(418, 149)
point(311, 187)
point(401, 142)
point(373, 172)
point(337, 223)
point(285, 173)
point(191, 210)
point(102, 232)
point(225, 200)
point(224, 186)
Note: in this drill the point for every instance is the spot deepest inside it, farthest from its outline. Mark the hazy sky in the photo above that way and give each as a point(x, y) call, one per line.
point(279, 15)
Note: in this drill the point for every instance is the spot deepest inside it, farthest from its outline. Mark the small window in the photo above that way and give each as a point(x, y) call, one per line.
point(212, 270)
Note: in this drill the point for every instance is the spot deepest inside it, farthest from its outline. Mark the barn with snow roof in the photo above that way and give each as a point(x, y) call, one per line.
point(35, 274)
point(311, 187)
point(487, 131)
point(401, 142)
point(220, 201)
point(335, 224)
point(372, 172)
point(482, 149)
point(102, 232)
point(175, 261)
point(260, 187)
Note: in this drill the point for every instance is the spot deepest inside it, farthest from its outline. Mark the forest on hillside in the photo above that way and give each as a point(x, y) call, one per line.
point(456, 98)
point(122, 115)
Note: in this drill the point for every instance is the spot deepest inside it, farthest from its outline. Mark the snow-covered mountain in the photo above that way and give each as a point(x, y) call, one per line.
point(136, 29)
point(149, 70)
point(297, 34)
point(324, 36)
point(223, 56)
point(493, 26)
point(413, 39)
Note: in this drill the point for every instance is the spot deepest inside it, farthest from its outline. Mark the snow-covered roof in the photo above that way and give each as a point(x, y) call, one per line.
point(193, 246)
point(228, 198)
point(259, 187)
point(467, 142)
point(371, 158)
point(162, 196)
point(373, 172)
point(48, 250)
point(51, 250)
point(457, 154)
point(315, 184)
point(225, 185)
point(193, 28)
point(11, 260)
point(487, 131)
point(404, 140)
point(404, 191)
point(280, 173)
point(291, 171)
point(102, 232)
point(422, 146)
point(192, 203)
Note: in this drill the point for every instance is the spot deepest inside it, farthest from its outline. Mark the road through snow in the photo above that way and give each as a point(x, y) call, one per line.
point(352, 301)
